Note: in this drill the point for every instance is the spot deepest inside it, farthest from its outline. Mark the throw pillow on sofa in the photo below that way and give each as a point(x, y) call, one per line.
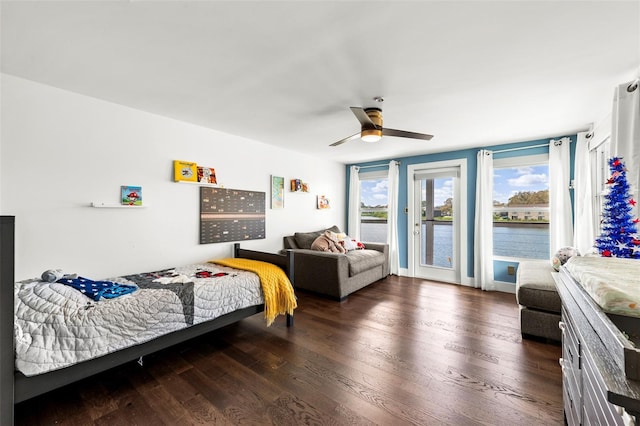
point(349, 243)
point(305, 239)
point(328, 242)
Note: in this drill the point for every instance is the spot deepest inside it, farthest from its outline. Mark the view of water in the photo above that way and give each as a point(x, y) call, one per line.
point(509, 241)
point(374, 232)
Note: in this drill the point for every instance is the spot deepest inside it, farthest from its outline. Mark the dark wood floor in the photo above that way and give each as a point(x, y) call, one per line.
point(402, 351)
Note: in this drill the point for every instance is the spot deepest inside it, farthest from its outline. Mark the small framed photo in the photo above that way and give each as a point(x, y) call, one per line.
point(323, 202)
point(277, 192)
point(131, 195)
point(296, 185)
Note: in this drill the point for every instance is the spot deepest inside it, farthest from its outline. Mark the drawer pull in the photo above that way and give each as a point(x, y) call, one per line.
point(562, 326)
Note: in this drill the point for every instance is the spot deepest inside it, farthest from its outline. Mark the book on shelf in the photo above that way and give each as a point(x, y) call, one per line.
point(131, 195)
point(185, 171)
point(207, 175)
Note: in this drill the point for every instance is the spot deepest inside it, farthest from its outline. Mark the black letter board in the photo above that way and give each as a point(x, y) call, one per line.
point(231, 215)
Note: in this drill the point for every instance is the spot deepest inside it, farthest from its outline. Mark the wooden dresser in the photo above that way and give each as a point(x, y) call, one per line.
point(599, 365)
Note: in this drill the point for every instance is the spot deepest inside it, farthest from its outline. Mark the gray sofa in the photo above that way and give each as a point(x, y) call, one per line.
point(336, 275)
point(538, 300)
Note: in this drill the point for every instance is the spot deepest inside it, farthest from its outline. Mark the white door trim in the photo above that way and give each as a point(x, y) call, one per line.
point(463, 213)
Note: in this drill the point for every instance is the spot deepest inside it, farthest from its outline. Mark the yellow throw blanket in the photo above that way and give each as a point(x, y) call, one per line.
point(279, 297)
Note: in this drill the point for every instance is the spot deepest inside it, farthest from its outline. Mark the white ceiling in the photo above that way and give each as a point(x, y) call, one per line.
point(472, 73)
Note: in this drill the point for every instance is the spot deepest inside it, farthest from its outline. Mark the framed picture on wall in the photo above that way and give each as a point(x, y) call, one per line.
point(277, 192)
point(323, 202)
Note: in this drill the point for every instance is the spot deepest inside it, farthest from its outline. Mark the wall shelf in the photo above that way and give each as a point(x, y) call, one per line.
point(115, 206)
point(215, 185)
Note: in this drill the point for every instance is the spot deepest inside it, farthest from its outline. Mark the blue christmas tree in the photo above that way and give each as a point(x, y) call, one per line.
point(619, 237)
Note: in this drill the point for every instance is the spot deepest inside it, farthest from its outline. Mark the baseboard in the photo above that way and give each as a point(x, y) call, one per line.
point(502, 286)
point(505, 287)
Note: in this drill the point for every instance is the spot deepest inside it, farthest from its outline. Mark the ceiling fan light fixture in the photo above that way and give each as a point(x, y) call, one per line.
point(371, 135)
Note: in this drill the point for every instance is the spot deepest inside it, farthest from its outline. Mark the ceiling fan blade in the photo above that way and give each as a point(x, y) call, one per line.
point(347, 139)
point(362, 117)
point(405, 134)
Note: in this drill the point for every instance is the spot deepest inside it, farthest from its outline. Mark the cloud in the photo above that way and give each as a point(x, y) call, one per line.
point(381, 186)
point(440, 195)
point(503, 197)
point(525, 170)
point(526, 180)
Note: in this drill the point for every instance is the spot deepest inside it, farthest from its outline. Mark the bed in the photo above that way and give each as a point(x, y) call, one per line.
point(613, 283)
point(184, 315)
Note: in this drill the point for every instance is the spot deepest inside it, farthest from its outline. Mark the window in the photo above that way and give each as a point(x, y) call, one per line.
point(600, 155)
point(521, 207)
point(373, 206)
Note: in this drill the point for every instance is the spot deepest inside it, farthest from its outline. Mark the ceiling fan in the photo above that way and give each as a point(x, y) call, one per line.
point(371, 127)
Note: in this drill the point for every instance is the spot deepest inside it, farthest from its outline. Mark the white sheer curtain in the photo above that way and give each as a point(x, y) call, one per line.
point(483, 241)
point(560, 223)
point(392, 216)
point(583, 232)
point(353, 220)
point(625, 133)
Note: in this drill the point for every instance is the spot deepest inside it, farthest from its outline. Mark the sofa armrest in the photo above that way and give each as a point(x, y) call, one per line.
point(381, 247)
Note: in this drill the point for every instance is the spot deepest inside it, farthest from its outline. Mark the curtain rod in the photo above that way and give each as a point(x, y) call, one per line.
point(527, 147)
point(376, 165)
point(519, 148)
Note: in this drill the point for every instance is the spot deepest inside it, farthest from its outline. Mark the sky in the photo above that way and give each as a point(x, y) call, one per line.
point(374, 192)
point(506, 182)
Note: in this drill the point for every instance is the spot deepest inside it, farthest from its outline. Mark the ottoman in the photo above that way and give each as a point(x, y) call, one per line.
point(538, 300)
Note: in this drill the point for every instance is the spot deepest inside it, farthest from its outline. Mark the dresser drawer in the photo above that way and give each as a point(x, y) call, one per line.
point(570, 343)
point(597, 409)
point(571, 399)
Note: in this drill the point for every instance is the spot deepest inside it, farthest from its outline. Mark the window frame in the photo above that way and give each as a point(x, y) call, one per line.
point(369, 176)
point(600, 155)
point(514, 162)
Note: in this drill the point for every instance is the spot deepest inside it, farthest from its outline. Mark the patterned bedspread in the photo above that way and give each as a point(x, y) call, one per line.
point(613, 283)
point(57, 326)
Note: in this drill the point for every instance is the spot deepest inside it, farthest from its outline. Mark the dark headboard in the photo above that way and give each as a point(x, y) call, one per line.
point(284, 261)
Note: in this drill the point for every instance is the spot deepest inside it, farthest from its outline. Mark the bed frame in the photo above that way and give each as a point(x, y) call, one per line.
point(15, 387)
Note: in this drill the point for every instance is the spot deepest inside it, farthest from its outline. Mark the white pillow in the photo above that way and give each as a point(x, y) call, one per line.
point(347, 242)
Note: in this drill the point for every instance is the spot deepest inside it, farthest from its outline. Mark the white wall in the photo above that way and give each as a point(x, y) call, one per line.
point(60, 151)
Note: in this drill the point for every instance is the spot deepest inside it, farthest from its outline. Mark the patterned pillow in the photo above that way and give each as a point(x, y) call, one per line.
point(562, 255)
point(349, 243)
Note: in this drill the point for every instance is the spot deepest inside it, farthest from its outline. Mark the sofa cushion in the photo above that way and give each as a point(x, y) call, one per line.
point(305, 239)
point(535, 286)
point(363, 260)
